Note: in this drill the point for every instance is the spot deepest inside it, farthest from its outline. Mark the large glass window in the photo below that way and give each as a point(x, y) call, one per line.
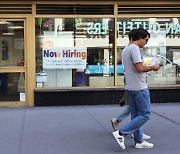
point(12, 86)
point(163, 47)
point(74, 52)
point(11, 43)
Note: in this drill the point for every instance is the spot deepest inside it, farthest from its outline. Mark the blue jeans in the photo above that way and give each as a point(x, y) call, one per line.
point(124, 114)
point(140, 114)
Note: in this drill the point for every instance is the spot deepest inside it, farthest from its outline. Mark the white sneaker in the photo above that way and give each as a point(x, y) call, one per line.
point(114, 123)
point(145, 137)
point(119, 139)
point(144, 145)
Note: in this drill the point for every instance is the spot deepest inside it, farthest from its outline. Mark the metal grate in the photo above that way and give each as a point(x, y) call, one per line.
point(74, 9)
point(148, 8)
point(15, 9)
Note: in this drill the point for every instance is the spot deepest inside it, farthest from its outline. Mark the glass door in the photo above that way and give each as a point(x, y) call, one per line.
point(12, 62)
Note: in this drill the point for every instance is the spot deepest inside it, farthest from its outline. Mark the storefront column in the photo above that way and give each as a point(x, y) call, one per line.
point(30, 41)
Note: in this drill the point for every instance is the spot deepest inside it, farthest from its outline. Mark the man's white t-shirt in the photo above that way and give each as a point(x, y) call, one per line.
point(133, 80)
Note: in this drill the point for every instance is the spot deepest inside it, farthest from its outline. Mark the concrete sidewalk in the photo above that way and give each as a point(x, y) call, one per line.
point(83, 130)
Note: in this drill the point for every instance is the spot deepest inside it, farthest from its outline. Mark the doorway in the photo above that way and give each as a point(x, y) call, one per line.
point(12, 62)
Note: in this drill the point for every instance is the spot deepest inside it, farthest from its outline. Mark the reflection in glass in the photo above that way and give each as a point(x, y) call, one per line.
point(11, 43)
point(74, 52)
point(163, 47)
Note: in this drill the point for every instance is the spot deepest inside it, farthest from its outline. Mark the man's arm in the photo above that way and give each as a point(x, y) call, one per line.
point(142, 68)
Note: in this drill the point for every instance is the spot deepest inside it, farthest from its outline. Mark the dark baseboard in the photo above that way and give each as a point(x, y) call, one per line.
point(97, 96)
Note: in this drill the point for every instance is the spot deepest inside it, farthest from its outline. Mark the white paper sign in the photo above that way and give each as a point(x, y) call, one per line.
point(41, 77)
point(22, 97)
point(64, 58)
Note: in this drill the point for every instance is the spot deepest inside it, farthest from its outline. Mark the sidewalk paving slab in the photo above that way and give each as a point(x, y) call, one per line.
point(83, 130)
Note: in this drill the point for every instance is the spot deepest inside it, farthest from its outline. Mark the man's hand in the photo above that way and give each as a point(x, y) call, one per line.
point(142, 68)
point(155, 67)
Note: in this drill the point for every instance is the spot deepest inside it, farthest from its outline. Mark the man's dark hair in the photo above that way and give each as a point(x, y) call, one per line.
point(131, 33)
point(140, 33)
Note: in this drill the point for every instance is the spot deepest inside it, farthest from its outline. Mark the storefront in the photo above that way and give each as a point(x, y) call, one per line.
point(69, 52)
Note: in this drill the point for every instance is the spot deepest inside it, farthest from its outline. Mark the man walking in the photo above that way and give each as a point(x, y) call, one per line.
point(115, 121)
point(136, 86)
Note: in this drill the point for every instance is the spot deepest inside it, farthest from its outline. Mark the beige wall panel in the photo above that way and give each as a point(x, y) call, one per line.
point(13, 104)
